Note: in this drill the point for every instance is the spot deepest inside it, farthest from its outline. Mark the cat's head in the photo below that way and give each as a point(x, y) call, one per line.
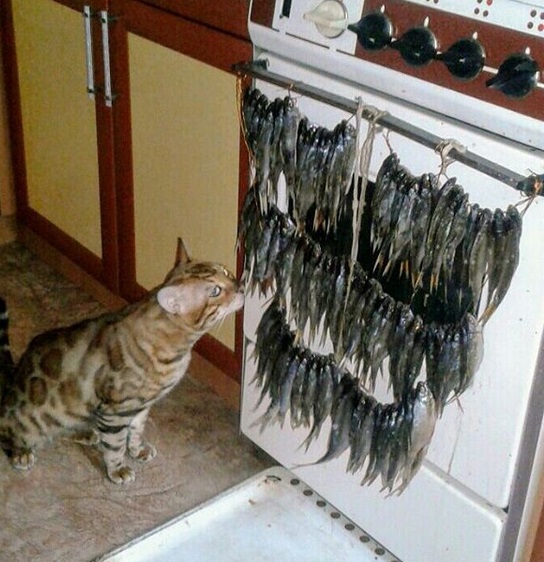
point(200, 293)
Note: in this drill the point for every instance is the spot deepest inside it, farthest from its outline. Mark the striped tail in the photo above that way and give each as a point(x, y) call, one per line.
point(6, 360)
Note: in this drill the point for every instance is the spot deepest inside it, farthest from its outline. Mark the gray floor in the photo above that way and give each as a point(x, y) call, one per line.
point(65, 510)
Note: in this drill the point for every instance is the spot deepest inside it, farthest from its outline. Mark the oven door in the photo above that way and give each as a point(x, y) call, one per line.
point(456, 508)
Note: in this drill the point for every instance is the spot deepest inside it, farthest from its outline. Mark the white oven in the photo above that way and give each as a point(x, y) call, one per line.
point(433, 70)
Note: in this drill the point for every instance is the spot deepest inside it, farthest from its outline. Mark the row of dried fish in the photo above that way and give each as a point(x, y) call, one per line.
point(317, 162)
point(365, 324)
point(392, 439)
point(434, 233)
point(270, 130)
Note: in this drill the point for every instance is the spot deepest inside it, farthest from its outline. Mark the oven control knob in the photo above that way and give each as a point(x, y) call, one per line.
point(417, 46)
point(374, 31)
point(330, 18)
point(516, 77)
point(464, 59)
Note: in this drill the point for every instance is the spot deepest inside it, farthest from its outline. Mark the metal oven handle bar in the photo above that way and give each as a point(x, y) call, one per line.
point(529, 184)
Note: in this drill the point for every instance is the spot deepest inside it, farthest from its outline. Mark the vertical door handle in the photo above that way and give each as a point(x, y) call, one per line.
point(89, 51)
point(104, 22)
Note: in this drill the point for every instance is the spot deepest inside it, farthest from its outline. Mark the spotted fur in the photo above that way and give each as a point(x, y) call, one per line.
point(96, 380)
point(6, 360)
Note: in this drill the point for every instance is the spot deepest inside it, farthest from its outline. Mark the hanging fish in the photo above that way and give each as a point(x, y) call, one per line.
point(390, 438)
point(505, 258)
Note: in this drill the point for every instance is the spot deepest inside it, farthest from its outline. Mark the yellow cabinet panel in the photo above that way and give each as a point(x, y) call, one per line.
point(185, 162)
point(59, 121)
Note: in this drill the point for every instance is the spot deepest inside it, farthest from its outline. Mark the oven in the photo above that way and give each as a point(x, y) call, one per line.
point(454, 89)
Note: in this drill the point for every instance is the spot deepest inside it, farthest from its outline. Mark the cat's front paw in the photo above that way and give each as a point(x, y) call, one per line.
point(22, 460)
point(122, 475)
point(145, 453)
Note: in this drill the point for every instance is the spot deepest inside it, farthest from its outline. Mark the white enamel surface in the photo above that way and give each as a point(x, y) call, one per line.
point(506, 13)
point(264, 519)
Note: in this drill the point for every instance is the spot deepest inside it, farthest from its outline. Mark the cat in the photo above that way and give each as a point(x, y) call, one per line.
point(96, 380)
point(6, 360)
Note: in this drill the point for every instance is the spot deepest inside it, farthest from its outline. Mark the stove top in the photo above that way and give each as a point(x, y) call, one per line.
point(478, 61)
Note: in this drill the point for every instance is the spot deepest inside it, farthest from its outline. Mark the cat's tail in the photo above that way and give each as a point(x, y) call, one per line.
point(6, 359)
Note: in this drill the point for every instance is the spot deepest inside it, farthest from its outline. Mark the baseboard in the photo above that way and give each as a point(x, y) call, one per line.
point(67, 268)
point(223, 385)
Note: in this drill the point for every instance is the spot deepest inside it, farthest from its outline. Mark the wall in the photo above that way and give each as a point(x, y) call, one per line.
point(7, 199)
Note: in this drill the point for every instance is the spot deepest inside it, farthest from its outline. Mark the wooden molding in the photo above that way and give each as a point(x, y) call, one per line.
point(228, 17)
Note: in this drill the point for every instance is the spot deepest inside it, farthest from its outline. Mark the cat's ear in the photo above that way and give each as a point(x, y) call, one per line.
point(182, 256)
point(173, 299)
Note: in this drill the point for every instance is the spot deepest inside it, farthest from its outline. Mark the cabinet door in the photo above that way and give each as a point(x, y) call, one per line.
point(64, 184)
point(183, 177)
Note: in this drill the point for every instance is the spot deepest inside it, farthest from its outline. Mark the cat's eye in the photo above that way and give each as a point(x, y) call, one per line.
point(216, 291)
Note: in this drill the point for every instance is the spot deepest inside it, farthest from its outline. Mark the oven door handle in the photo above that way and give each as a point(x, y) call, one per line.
point(526, 184)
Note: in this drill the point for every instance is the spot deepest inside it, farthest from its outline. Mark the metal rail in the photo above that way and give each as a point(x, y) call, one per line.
point(527, 184)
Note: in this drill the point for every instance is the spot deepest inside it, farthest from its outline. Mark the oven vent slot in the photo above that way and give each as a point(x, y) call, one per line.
point(530, 185)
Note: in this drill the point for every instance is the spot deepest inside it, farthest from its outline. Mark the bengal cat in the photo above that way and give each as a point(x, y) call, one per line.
point(96, 380)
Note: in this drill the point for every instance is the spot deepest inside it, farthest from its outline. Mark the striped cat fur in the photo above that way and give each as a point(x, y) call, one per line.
point(95, 381)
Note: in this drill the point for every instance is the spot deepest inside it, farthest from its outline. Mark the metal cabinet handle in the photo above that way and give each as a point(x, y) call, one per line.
point(104, 22)
point(89, 51)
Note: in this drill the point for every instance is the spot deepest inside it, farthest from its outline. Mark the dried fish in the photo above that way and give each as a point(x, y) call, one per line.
point(328, 377)
point(507, 234)
point(344, 403)
point(453, 356)
point(445, 248)
point(423, 415)
point(390, 438)
point(477, 266)
point(407, 351)
point(361, 431)
point(317, 163)
point(291, 120)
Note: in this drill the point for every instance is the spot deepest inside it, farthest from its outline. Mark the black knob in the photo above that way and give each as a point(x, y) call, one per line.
point(516, 77)
point(464, 59)
point(374, 31)
point(417, 46)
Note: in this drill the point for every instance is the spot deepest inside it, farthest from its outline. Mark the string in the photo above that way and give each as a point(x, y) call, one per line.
point(359, 176)
point(444, 148)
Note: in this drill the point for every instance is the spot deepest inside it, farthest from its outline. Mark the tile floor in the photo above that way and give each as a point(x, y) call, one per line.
point(65, 510)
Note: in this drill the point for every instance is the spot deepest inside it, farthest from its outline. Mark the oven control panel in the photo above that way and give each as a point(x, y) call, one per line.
point(497, 62)
point(452, 56)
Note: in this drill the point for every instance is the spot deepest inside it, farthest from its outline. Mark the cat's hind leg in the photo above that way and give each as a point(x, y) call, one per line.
point(138, 447)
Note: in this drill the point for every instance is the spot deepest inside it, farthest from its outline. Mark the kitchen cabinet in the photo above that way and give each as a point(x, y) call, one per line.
point(182, 167)
point(113, 187)
point(63, 181)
